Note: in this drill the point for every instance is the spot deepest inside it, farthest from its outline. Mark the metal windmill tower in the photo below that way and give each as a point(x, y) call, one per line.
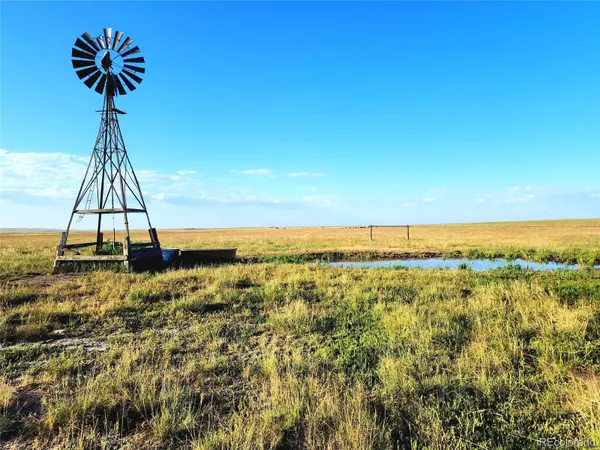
point(110, 65)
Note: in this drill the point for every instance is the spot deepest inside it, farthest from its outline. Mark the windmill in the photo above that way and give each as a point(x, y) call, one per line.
point(111, 66)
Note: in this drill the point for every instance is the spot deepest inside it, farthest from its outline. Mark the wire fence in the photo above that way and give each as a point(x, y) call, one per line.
point(389, 226)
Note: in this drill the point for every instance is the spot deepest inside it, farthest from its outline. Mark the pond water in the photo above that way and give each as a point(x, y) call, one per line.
point(474, 264)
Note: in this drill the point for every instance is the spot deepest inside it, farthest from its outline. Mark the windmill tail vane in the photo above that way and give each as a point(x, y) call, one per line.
point(111, 66)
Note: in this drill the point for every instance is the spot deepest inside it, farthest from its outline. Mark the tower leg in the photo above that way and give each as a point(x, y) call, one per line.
point(60, 250)
point(99, 237)
point(126, 252)
point(106, 131)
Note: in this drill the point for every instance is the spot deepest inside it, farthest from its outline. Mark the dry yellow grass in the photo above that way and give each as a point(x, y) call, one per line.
point(36, 250)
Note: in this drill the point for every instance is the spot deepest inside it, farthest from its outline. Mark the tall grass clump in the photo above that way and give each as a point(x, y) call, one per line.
point(137, 387)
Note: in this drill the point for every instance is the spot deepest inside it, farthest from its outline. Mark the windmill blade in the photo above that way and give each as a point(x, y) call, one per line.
point(100, 42)
point(125, 43)
point(78, 63)
point(80, 54)
point(120, 89)
point(117, 38)
point(85, 72)
point(83, 46)
point(100, 87)
point(129, 84)
point(88, 37)
point(133, 76)
point(107, 36)
point(92, 80)
point(135, 49)
point(135, 69)
point(139, 59)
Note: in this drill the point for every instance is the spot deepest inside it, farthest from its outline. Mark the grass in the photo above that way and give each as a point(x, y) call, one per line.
point(109, 248)
point(561, 241)
point(285, 355)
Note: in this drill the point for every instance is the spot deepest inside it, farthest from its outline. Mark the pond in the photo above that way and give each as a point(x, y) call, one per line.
point(455, 263)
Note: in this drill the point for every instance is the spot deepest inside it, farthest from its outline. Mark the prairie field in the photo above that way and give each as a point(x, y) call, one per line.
point(282, 352)
point(559, 240)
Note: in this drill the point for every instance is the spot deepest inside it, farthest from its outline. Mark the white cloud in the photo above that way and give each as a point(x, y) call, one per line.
point(306, 174)
point(320, 200)
point(224, 200)
point(51, 192)
point(527, 193)
point(256, 172)
point(44, 178)
point(51, 175)
point(25, 176)
point(440, 192)
point(522, 199)
point(523, 193)
point(182, 174)
point(152, 176)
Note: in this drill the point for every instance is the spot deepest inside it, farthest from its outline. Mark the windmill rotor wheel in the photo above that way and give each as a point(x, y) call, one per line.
point(108, 63)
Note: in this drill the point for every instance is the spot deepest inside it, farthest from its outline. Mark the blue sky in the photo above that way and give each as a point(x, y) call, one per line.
point(313, 113)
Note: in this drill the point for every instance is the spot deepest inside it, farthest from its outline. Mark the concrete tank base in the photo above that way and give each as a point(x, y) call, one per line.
point(196, 256)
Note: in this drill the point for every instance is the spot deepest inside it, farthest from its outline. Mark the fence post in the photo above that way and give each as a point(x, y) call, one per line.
point(408, 232)
point(371, 232)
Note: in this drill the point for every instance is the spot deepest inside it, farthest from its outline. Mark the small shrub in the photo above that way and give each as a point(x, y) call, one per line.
point(358, 341)
point(109, 248)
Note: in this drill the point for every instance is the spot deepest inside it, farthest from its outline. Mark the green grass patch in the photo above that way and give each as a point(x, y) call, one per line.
point(303, 356)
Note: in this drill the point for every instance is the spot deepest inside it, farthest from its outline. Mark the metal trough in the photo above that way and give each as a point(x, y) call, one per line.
point(170, 255)
point(194, 256)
